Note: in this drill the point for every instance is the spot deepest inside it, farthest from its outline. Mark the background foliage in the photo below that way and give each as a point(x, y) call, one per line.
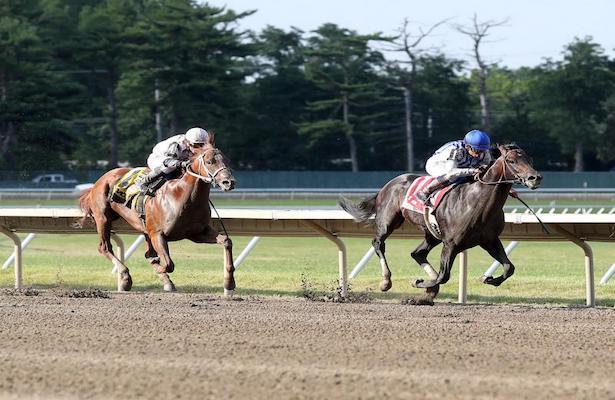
point(77, 82)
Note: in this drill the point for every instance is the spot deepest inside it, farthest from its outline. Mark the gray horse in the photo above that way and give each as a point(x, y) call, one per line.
point(470, 215)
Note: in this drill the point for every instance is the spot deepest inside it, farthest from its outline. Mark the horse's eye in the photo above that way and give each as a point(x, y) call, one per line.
point(209, 162)
point(512, 161)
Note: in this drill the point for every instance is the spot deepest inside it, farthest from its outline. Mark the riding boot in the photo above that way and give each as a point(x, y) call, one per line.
point(146, 180)
point(427, 191)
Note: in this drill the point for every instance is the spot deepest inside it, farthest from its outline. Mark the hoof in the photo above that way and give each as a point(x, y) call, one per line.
point(489, 280)
point(483, 279)
point(432, 292)
point(169, 287)
point(229, 292)
point(125, 283)
point(385, 285)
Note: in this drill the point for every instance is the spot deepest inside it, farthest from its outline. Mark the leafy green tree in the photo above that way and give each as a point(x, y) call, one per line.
point(343, 66)
point(569, 97)
point(606, 131)
point(511, 106)
point(275, 101)
point(32, 133)
point(100, 52)
point(194, 55)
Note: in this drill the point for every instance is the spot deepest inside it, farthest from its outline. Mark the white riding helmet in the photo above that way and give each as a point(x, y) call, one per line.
point(197, 135)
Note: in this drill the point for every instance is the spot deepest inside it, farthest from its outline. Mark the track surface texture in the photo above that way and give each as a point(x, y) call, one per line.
point(201, 346)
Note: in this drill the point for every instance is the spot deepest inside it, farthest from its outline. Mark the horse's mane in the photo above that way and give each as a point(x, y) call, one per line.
point(495, 151)
point(511, 146)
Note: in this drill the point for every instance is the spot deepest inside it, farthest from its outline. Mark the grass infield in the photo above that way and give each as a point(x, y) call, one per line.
point(546, 273)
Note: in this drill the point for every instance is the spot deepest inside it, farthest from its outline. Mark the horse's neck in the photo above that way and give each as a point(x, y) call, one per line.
point(197, 191)
point(493, 197)
point(189, 192)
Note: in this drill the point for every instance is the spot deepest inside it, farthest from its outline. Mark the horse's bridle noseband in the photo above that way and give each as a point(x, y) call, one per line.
point(211, 176)
point(517, 179)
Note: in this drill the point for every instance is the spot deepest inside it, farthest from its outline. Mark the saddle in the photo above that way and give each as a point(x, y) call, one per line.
point(412, 203)
point(126, 190)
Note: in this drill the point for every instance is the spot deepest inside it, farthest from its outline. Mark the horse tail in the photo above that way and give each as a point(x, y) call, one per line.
point(84, 205)
point(362, 211)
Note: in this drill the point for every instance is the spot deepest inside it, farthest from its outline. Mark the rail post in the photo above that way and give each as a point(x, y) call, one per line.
point(17, 251)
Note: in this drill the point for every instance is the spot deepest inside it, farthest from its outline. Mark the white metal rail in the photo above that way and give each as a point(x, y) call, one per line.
point(332, 224)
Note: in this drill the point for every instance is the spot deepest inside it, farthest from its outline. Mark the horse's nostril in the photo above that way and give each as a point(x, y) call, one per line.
point(531, 178)
point(226, 182)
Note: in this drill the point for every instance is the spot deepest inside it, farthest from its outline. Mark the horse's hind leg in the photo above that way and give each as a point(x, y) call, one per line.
point(386, 224)
point(496, 250)
point(158, 250)
point(420, 254)
point(103, 226)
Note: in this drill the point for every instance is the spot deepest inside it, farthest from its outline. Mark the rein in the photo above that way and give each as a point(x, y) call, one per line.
point(210, 177)
point(517, 179)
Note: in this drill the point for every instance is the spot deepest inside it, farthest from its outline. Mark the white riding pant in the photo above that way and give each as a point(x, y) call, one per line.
point(157, 161)
point(446, 170)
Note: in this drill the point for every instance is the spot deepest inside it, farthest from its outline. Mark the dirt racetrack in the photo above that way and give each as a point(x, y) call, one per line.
point(202, 346)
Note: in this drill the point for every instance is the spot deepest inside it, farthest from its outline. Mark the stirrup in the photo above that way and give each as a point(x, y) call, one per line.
point(146, 190)
point(423, 198)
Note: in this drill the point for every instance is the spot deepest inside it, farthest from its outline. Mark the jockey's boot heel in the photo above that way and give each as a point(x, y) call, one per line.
point(147, 180)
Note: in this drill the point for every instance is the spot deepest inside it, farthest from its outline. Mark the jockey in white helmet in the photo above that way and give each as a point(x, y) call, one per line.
point(171, 154)
point(457, 160)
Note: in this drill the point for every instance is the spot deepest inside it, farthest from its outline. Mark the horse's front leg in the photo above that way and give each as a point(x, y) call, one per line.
point(157, 251)
point(496, 250)
point(211, 235)
point(449, 252)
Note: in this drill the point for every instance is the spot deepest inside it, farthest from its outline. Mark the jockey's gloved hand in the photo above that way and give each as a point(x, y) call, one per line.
point(482, 168)
point(186, 164)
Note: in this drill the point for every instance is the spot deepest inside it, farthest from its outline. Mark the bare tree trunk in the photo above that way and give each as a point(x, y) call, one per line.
point(409, 44)
point(409, 133)
point(349, 135)
point(173, 120)
point(158, 113)
point(477, 32)
point(113, 124)
point(578, 158)
point(8, 130)
point(485, 109)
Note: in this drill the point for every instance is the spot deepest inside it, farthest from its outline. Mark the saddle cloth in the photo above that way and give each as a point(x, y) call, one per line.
point(126, 192)
point(413, 204)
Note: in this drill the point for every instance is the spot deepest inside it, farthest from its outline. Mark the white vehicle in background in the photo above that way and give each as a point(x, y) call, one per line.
point(53, 179)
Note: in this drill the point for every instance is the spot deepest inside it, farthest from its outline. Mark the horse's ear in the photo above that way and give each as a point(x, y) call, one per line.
point(211, 139)
point(496, 151)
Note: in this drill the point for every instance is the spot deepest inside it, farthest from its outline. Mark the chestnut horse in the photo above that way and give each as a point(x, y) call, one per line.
point(470, 214)
point(179, 210)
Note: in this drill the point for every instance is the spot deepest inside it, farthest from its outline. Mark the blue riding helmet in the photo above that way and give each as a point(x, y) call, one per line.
point(478, 140)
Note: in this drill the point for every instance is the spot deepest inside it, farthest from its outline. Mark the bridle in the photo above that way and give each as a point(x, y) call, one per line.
point(211, 176)
point(513, 194)
point(501, 180)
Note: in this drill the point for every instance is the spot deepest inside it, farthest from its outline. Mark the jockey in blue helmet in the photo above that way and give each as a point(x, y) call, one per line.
point(457, 160)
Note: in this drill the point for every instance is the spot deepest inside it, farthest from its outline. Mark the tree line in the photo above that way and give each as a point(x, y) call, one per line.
point(89, 80)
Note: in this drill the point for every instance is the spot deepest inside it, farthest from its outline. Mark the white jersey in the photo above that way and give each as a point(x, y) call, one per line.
point(453, 161)
point(166, 153)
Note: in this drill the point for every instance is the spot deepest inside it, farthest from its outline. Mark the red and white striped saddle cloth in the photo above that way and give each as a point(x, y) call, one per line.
point(413, 204)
